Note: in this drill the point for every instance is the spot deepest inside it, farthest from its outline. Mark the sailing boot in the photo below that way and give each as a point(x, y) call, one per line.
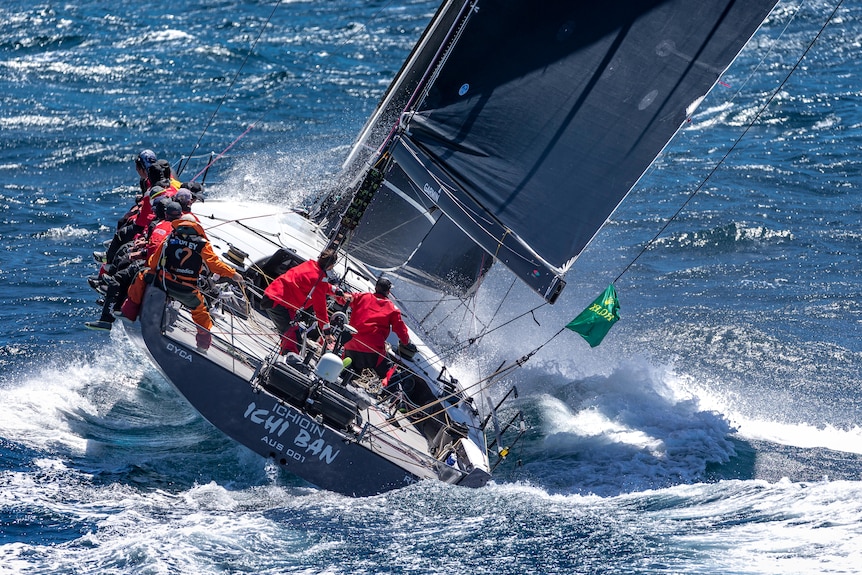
point(130, 309)
point(98, 325)
point(105, 321)
point(97, 284)
point(203, 339)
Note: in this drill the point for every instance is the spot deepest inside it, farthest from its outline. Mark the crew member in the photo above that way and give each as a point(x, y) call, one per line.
point(176, 268)
point(162, 184)
point(373, 315)
point(123, 274)
point(296, 289)
point(143, 161)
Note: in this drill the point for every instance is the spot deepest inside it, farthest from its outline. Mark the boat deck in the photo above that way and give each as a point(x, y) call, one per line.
point(239, 345)
point(242, 344)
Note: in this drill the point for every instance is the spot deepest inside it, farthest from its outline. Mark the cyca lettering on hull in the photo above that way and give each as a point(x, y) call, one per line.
point(180, 352)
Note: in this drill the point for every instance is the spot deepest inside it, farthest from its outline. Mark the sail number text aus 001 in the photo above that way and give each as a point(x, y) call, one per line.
point(279, 419)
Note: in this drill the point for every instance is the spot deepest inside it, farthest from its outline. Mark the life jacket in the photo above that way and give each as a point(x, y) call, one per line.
point(159, 233)
point(182, 257)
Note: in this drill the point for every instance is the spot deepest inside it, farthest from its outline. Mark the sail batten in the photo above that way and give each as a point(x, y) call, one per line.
point(543, 116)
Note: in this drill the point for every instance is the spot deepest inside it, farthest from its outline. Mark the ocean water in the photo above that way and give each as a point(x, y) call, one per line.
point(715, 431)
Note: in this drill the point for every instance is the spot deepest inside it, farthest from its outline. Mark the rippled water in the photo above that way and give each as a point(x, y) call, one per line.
point(716, 430)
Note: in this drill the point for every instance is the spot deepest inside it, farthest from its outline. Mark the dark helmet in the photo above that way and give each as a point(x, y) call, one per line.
point(173, 210)
point(327, 259)
point(156, 192)
point(160, 170)
point(382, 286)
point(194, 187)
point(184, 197)
point(159, 206)
point(145, 159)
point(196, 190)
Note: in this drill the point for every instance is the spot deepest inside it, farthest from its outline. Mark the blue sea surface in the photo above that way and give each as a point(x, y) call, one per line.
point(716, 430)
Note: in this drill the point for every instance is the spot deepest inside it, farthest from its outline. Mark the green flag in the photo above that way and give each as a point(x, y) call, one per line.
point(595, 322)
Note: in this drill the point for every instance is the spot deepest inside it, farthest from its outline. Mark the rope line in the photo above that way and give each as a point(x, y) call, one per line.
point(229, 88)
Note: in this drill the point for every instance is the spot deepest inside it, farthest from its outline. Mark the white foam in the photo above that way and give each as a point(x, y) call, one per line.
point(799, 434)
point(68, 232)
point(638, 427)
point(40, 407)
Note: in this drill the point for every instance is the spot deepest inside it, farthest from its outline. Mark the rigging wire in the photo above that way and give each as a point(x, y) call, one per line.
point(474, 316)
point(736, 142)
point(221, 154)
point(504, 298)
point(335, 52)
point(478, 386)
point(494, 315)
point(229, 88)
point(472, 340)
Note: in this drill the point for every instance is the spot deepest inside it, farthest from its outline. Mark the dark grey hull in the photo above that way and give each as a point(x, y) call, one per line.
point(304, 445)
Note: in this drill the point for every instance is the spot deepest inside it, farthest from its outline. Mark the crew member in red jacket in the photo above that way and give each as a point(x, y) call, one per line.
point(296, 289)
point(163, 184)
point(374, 316)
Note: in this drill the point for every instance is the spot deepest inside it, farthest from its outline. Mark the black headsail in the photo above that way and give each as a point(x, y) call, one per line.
point(523, 124)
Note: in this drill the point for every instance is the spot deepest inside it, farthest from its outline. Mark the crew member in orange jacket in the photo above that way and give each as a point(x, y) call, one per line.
point(119, 281)
point(298, 288)
point(374, 316)
point(177, 266)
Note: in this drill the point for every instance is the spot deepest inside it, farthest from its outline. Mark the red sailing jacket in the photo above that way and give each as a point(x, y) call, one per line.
point(373, 316)
point(292, 288)
point(146, 215)
point(158, 234)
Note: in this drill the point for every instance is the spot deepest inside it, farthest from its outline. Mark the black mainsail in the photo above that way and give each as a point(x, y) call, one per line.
point(520, 126)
